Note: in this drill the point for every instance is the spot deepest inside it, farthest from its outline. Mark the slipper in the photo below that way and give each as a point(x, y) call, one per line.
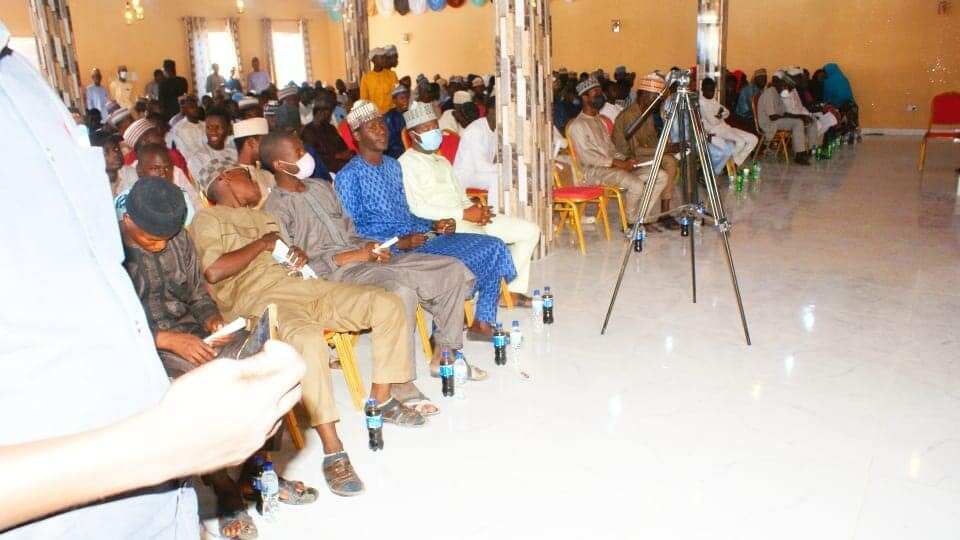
point(226, 520)
point(420, 403)
point(473, 373)
point(520, 301)
point(297, 492)
point(399, 414)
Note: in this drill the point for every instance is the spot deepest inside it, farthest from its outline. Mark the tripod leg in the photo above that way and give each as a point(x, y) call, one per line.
point(689, 184)
point(644, 202)
point(721, 221)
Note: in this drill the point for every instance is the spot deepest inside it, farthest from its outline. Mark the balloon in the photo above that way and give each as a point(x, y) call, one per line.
point(478, 2)
point(455, 3)
point(385, 6)
point(402, 6)
point(437, 5)
point(336, 15)
point(418, 7)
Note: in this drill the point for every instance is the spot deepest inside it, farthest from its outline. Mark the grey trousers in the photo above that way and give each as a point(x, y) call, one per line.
point(440, 284)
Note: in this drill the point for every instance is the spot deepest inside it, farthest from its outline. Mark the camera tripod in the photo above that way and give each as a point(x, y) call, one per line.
point(685, 113)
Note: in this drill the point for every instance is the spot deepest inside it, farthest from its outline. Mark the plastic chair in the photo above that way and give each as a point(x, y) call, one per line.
point(449, 145)
point(781, 138)
point(569, 202)
point(477, 193)
point(944, 112)
point(608, 191)
point(469, 307)
point(405, 138)
point(342, 342)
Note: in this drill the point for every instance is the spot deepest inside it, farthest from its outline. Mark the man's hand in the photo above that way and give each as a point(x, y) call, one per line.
point(213, 324)
point(239, 403)
point(411, 241)
point(297, 257)
point(268, 241)
point(475, 214)
point(375, 256)
point(624, 165)
point(775, 117)
point(445, 226)
point(186, 346)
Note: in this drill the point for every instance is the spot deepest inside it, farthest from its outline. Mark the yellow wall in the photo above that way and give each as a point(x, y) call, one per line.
point(104, 41)
point(895, 52)
point(453, 40)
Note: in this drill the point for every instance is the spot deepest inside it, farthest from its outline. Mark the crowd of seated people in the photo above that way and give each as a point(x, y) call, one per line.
point(204, 192)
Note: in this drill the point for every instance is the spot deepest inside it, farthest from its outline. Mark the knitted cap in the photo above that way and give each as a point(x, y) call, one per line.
point(651, 82)
point(419, 113)
point(587, 85)
point(135, 131)
point(362, 112)
point(212, 170)
point(462, 96)
point(117, 116)
point(157, 206)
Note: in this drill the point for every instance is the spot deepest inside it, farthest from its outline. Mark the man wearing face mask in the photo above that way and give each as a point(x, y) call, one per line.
point(772, 116)
point(433, 192)
point(121, 89)
point(599, 159)
point(713, 115)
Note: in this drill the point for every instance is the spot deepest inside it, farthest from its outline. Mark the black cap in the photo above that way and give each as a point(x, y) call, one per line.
point(156, 205)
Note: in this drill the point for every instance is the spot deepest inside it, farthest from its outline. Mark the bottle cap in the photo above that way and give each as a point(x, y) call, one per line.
point(459, 355)
point(546, 289)
point(445, 353)
point(536, 292)
point(516, 323)
point(268, 466)
point(371, 401)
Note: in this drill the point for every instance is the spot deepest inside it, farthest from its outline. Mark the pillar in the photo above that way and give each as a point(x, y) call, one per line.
point(53, 30)
point(524, 119)
point(356, 41)
point(712, 41)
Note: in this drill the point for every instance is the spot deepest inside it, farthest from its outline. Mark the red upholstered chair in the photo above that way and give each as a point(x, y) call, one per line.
point(570, 201)
point(449, 146)
point(944, 121)
point(608, 123)
point(478, 194)
point(346, 135)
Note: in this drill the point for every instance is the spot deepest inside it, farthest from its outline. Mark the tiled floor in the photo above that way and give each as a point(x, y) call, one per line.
point(841, 421)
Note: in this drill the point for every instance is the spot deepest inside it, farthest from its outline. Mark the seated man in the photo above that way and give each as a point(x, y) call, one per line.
point(155, 161)
point(712, 113)
point(772, 116)
point(817, 123)
point(163, 268)
point(744, 110)
point(310, 213)
point(474, 166)
point(434, 193)
point(394, 120)
point(449, 120)
point(234, 242)
point(371, 190)
point(642, 145)
point(246, 137)
point(215, 146)
point(599, 159)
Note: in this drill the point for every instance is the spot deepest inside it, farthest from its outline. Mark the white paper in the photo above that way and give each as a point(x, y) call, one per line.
point(281, 253)
point(238, 324)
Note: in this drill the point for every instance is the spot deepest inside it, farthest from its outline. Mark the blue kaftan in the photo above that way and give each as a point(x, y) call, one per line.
point(373, 195)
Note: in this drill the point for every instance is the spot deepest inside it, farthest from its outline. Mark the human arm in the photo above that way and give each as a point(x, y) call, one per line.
point(239, 403)
point(364, 253)
point(201, 305)
point(429, 195)
point(217, 265)
point(588, 152)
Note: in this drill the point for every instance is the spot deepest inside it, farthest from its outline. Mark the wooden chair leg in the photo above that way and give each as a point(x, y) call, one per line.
point(294, 428)
point(424, 334)
point(603, 215)
point(505, 294)
point(348, 365)
point(578, 228)
point(786, 154)
point(923, 154)
point(623, 213)
point(469, 310)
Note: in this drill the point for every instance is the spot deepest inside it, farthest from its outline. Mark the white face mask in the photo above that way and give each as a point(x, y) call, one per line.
point(123, 75)
point(784, 93)
point(305, 166)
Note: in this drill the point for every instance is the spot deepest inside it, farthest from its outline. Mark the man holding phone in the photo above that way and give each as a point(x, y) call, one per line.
point(310, 213)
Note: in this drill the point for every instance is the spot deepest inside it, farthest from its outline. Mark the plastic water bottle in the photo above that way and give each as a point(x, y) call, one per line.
point(460, 370)
point(548, 304)
point(270, 493)
point(446, 374)
point(739, 181)
point(500, 345)
point(374, 424)
point(536, 310)
point(756, 171)
point(516, 336)
point(684, 226)
point(637, 246)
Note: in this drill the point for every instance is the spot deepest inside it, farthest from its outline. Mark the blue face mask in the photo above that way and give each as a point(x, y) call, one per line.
point(430, 141)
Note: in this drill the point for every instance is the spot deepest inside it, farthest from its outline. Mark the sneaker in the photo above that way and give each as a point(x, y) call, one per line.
point(341, 478)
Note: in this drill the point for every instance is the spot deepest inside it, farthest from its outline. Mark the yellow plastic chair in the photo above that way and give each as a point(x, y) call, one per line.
point(469, 307)
point(608, 191)
point(342, 342)
point(779, 141)
point(569, 203)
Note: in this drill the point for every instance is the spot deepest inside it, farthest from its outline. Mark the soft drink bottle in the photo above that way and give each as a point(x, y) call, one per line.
point(374, 424)
point(500, 345)
point(637, 246)
point(684, 226)
point(536, 310)
point(446, 374)
point(270, 493)
point(548, 304)
point(516, 336)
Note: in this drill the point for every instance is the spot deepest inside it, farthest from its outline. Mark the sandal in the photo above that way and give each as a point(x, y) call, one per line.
point(297, 492)
point(418, 402)
point(519, 301)
point(227, 520)
point(473, 373)
point(397, 413)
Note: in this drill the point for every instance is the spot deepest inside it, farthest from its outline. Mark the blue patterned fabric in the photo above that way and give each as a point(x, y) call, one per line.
point(374, 198)
point(395, 124)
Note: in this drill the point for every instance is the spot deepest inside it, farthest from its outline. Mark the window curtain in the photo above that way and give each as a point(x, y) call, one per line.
point(197, 51)
point(268, 49)
point(57, 52)
point(307, 58)
point(233, 25)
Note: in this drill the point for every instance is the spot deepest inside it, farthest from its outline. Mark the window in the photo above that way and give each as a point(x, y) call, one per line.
point(27, 46)
point(220, 48)
point(288, 56)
